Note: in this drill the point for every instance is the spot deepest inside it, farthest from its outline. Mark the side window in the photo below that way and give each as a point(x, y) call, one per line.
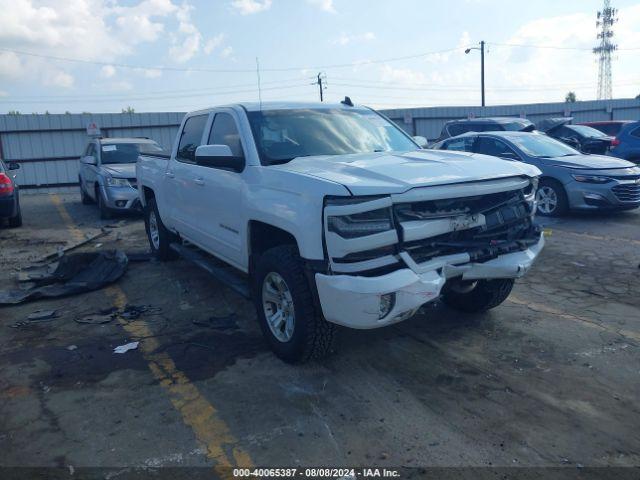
point(494, 147)
point(464, 144)
point(635, 133)
point(91, 150)
point(190, 138)
point(225, 132)
point(455, 129)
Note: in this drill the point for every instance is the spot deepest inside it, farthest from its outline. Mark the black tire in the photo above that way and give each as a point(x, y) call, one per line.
point(312, 336)
point(486, 294)
point(86, 199)
point(16, 220)
point(105, 212)
point(161, 249)
point(562, 202)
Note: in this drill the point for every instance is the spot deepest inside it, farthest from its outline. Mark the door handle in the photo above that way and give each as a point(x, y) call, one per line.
point(170, 174)
point(198, 181)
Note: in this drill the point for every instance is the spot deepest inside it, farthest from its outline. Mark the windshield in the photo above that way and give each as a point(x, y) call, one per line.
point(542, 146)
point(586, 131)
point(126, 152)
point(282, 135)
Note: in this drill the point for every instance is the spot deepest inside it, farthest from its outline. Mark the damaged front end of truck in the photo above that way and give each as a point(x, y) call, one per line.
point(388, 255)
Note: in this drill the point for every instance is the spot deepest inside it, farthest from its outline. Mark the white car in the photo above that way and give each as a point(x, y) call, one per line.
point(337, 217)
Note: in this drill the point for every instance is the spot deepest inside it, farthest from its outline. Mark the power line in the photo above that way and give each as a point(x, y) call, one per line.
point(552, 47)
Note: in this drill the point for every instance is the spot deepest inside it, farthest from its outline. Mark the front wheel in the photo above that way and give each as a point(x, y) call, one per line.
point(551, 198)
point(479, 295)
point(289, 319)
point(86, 200)
point(16, 220)
point(159, 237)
point(105, 212)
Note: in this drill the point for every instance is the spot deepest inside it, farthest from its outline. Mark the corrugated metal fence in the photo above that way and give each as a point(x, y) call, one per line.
point(428, 122)
point(48, 146)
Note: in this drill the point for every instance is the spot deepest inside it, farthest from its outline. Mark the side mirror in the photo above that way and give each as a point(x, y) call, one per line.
point(218, 156)
point(89, 160)
point(13, 166)
point(423, 142)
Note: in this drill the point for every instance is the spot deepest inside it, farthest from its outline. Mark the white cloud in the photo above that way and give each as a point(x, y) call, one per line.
point(401, 75)
point(324, 5)
point(249, 7)
point(187, 42)
point(345, 39)
point(213, 43)
point(149, 72)
point(59, 79)
point(226, 51)
point(107, 71)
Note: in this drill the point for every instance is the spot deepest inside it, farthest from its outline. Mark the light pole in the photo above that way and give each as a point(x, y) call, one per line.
point(481, 66)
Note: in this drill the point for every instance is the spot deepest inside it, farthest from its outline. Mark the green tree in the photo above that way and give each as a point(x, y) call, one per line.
point(570, 97)
point(129, 109)
point(13, 112)
point(638, 97)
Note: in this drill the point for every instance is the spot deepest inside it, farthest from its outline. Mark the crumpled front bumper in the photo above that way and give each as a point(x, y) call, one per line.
point(354, 301)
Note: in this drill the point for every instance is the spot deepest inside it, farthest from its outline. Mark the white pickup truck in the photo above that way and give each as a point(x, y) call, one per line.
point(334, 215)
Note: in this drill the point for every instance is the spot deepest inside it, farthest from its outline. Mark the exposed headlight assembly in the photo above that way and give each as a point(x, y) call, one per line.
point(590, 178)
point(530, 192)
point(118, 182)
point(359, 224)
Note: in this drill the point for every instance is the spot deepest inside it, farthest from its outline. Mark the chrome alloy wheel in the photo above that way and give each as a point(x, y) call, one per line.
point(154, 231)
point(547, 199)
point(277, 303)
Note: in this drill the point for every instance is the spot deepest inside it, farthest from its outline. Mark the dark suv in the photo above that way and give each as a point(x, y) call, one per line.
point(487, 124)
point(9, 196)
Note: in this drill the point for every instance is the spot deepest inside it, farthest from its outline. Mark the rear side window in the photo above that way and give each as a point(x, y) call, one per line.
point(635, 133)
point(494, 147)
point(191, 138)
point(464, 144)
point(225, 132)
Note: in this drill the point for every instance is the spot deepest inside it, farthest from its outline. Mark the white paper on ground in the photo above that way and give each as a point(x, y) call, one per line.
point(126, 347)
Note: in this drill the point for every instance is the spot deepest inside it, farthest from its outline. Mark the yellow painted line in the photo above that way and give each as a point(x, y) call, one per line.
point(198, 413)
point(538, 307)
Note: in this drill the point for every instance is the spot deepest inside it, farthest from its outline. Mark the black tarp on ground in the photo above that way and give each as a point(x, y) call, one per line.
point(75, 273)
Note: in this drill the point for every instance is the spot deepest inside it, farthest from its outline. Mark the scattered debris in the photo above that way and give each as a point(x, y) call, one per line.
point(42, 315)
point(219, 323)
point(71, 348)
point(77, 273)
point(61, 251)
point(578, 264)
point(126, 347)
point(95, 319)
point(133, 312)
point(98, 245)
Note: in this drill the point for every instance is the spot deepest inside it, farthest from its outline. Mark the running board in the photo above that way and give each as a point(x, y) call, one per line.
point(212, 265)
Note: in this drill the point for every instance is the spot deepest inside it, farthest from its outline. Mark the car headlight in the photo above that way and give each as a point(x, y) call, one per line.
point(590, 178)
point(359, 224)
point(118, 182)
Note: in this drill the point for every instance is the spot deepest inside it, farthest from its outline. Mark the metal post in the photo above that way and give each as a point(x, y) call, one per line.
point(320, 86)
point(482, 69)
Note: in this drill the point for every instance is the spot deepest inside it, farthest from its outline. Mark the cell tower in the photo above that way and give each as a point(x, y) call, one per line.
point(606, 19)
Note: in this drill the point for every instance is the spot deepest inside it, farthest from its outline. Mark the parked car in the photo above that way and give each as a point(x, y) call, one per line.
point(570, 179)
point(485, 124)
point(336, 216)
point(627, 143)
point(107, 173)
point(580, 137)
point(608, 127)
point(9, 195)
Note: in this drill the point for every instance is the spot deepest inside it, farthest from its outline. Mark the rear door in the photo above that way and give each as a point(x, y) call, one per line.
point(182, 191)
point(221, 193)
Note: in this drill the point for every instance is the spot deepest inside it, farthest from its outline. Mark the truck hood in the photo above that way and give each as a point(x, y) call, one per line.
point(391, 172)
point(588, 162)
point(120, 170)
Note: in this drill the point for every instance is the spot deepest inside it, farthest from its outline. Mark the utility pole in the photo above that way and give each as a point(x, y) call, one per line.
point(605, 20)
point(481, 67)
point(320, 78)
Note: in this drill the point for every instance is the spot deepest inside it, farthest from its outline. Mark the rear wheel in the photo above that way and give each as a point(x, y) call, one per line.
point(16, 220)
point(289, 319)
point(551, 198)
point(159, 237)
point(479, 295)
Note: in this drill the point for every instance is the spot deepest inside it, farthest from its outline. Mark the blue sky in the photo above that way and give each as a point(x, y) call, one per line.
point(355, 43)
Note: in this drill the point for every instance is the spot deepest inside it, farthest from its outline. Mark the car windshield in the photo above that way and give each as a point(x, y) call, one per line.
point(536, 145)
point(586, 131)
point(282, 135)
point(126, 152)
